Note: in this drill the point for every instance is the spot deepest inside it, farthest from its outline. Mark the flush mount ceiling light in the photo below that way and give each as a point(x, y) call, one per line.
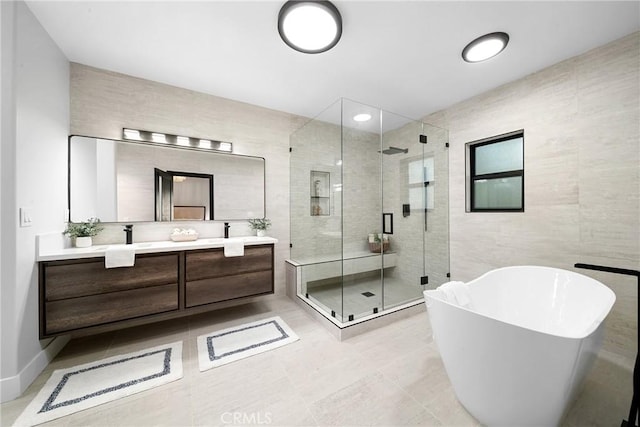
point(485, 47)
point(362, 117)
point(310, 26)
point(182, 141)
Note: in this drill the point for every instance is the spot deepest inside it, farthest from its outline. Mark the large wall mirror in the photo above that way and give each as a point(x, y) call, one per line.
point(122, 181)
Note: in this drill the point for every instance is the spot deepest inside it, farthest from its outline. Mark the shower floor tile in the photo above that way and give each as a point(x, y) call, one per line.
point(362, 296)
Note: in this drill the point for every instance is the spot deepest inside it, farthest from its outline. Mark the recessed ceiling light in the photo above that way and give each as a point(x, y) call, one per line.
point(485, 47)
point(363, 117)
point(310, 26)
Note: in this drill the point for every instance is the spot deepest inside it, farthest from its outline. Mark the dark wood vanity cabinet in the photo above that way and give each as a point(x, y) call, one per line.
point(81, 296)
point(80, 293)
point(211, 277)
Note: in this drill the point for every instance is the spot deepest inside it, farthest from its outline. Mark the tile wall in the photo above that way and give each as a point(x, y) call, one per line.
point(581, 122)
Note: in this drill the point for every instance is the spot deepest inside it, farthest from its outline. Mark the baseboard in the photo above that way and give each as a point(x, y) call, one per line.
point(13, 387)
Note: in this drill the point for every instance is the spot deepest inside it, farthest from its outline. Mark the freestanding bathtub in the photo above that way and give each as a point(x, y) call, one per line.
point(517, 354)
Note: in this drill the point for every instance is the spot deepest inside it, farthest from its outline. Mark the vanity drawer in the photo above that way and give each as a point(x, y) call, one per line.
point(212, 263)
point(75, 313)
point(79, 278)
point(206, 291)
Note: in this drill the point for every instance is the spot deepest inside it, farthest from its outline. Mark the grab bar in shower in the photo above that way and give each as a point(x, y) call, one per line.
point(633, 411)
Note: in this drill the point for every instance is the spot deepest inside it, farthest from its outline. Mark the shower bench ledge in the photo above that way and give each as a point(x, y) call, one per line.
point(328, 266)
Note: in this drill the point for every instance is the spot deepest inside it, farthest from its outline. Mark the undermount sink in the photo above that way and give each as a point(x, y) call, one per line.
point(217, 240)
point(221, 240)
point(143, 245)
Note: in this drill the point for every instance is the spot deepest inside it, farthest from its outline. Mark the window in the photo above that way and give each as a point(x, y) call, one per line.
point(421, 183)
point(496, 174)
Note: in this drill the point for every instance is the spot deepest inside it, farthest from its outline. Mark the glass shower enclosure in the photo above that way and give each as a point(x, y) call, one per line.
point(369, 211)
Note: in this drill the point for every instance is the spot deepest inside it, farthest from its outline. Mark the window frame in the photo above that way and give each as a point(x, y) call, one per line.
point(473, 177)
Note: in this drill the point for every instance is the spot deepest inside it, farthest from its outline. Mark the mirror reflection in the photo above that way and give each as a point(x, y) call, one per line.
point(183, 196)
point(121, 181)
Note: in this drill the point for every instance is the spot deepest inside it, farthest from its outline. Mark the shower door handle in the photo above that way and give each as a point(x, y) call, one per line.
point(387, 223)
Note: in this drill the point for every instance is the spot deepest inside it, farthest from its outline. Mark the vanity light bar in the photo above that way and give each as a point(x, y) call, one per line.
point(182, 141)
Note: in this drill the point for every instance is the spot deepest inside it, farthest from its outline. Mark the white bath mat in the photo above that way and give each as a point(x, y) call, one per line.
point(85, 386)
point(231, 344)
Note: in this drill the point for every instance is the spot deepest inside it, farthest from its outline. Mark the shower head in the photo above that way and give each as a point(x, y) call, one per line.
point(395, 150)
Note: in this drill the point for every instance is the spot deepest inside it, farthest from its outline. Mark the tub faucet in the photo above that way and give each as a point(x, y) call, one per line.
point(226, 230)
point(128, 229)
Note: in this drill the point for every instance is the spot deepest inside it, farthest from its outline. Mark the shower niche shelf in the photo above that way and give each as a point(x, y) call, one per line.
point(320, 193)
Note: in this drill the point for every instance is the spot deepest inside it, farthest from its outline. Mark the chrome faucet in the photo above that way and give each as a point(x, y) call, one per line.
point(128, 229)
point(226, 230)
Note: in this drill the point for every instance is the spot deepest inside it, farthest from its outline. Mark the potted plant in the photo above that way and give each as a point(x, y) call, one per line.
point(260, 225)
point(82, 232)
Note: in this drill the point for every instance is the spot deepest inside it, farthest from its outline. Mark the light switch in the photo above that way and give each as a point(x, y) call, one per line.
point(25, 217)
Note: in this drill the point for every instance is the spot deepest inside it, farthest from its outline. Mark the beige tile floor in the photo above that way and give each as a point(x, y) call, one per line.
point(387, 377)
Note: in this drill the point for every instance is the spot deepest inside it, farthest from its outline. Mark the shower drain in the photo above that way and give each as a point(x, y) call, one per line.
point(368, 294)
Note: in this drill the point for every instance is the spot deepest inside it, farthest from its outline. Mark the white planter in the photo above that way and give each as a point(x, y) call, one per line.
point(83, 242)
point(261, 233)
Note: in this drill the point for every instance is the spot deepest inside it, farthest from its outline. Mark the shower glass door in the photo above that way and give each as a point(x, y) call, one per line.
point(362, 291)
point(394, 210)
point(406, 191)
point(415, 209)
point(436, 229)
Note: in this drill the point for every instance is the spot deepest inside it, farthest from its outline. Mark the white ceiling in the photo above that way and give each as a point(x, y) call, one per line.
point(403, 56)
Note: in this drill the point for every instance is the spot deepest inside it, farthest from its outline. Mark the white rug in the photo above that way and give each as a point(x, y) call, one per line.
point(85, 386)
point(231, 344)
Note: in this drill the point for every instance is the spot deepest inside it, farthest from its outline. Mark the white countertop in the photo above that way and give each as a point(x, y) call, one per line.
point(53, 253)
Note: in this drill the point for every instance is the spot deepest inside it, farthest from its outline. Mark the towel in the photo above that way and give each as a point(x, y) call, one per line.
point(456, 293)
point(234, 248)
point(119, 257)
